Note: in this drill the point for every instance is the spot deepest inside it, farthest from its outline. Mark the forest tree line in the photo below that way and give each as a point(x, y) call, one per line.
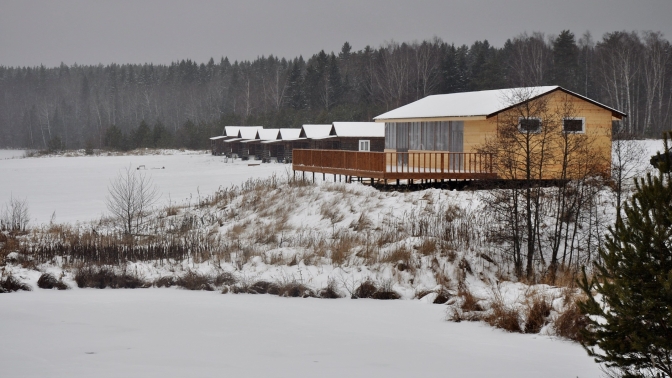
point(182, 104)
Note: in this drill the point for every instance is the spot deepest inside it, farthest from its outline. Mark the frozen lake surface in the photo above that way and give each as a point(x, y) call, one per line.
point(74, 188)
point(177, 333)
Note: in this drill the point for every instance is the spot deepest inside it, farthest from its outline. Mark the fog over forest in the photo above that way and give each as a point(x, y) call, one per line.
point(125, 106)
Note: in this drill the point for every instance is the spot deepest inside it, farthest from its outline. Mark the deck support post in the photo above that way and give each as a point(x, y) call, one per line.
point(313, 177)
point(303, 175)
point(324, 176)
point(397, 182)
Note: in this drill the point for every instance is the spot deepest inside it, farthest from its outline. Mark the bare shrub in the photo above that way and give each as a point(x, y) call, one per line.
point(224, 278)
point(537, 311)
point(48, 281)
point(15, 216)
point(331, 291)
point(365, 290)
point(102, 277)
point(193, 280)
point(263, 287)
point(369, 289)
point(10, 284)
point(293, 289)
point(165, 281)
point(385, 291)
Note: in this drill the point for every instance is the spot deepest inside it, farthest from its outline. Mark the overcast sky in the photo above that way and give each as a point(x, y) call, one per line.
point(160, 31)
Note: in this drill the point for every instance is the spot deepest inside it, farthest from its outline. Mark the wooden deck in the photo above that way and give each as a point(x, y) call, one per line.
point(396, 165)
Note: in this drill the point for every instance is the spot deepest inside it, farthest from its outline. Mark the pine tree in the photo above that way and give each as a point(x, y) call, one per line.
point(566, 61)
point(630, 328)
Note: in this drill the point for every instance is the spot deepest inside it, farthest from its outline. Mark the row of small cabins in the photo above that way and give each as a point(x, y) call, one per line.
point(433, 139)
point(258, 143)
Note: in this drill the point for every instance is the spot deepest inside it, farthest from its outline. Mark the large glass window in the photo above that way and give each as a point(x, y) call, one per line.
point(425, 136)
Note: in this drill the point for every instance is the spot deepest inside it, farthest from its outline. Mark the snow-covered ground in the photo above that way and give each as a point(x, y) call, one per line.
point(11, 154)
point(169, 332)
point(74, 188)
point(176, 333)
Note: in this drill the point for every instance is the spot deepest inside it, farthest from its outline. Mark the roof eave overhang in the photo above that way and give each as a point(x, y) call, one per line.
point(614, 113)
point(433, 119)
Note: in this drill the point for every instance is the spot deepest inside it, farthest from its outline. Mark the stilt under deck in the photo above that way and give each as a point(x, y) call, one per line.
point(394, 168)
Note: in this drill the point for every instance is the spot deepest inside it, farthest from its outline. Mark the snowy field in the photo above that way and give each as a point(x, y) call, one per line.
point(74, 188)
point(176, 333)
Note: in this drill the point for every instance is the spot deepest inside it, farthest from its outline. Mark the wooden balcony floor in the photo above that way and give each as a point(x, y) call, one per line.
point(396, 165)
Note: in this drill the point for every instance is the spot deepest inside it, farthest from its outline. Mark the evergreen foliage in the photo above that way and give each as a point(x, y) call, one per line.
point(79, 103)
point(630, 319)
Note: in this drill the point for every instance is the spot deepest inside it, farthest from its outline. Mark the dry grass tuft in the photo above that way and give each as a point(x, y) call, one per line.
point(48, 281)
point(504, 317)
point(571, 321)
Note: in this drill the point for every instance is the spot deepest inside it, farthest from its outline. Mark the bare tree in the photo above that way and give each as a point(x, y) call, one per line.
point(14, 216)
point(130, 196)
point(627, 155)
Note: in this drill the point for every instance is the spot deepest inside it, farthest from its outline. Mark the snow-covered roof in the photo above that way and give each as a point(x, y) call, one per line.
point(359, 129)
point(232, 140)
point(218, 137)
point(288, 134)
point(315, 131)
point(268, 134)
point(473, 104)
point(249, 132)
point(233, 130)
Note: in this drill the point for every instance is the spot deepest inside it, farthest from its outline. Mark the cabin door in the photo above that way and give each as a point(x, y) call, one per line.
point(456, 144)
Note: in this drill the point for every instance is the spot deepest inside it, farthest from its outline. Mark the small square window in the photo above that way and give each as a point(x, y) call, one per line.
point(574, 125)
point(364, 145)
point(529, 125)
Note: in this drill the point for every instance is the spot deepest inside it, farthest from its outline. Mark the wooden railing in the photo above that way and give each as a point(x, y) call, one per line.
point(399, 165)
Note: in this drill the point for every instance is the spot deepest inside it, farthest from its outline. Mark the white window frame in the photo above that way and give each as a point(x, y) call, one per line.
point(583, 125)
point(541, 124)
point(367, 144)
